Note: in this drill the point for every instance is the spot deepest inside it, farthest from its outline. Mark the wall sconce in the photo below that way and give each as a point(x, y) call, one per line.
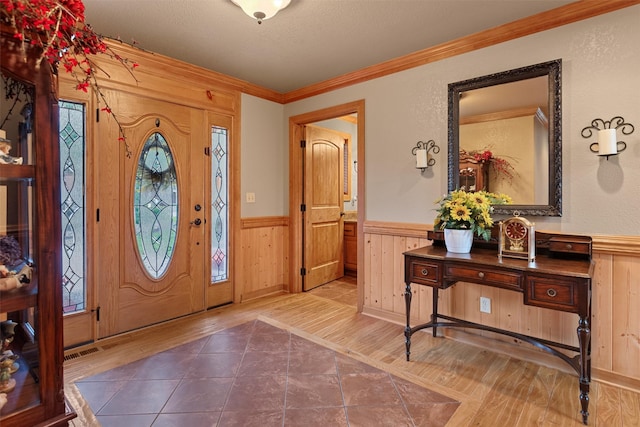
point(421, 151)
point(608, 144)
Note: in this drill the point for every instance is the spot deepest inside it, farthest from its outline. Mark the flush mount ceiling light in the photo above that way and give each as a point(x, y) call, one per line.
point(261, 9)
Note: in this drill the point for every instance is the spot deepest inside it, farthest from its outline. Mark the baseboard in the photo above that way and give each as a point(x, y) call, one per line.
point(281, 288)
point(614, 379)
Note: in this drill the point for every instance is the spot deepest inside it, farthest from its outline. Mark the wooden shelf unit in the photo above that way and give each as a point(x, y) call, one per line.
point(31, 200)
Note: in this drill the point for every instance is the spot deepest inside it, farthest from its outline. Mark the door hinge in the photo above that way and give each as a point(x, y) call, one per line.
point(97, 115)
point(303, 208)
point(303, 271)
point(303, 143)
point(207, 151)
point(97, 311)
point(97, 215)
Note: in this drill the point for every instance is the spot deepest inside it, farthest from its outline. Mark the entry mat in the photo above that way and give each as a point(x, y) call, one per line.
point(257, 374)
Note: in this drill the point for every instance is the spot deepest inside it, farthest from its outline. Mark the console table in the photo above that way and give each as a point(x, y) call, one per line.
point(559, 279)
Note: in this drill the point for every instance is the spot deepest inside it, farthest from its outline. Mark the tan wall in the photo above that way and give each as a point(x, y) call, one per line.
point(616, 296)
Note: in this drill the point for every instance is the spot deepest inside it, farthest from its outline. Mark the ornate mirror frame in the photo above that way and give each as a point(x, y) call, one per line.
point(551, 69)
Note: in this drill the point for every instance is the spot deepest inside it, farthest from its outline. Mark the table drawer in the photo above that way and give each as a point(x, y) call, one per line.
point(577, 245)
point(425, 273)
point(554, 293)
point(484, 276)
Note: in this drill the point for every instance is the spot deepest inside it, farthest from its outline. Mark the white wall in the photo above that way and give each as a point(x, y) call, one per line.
point(600, 63)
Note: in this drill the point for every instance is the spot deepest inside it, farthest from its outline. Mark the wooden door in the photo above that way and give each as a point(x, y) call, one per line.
point(151, 261)
point(323, 198)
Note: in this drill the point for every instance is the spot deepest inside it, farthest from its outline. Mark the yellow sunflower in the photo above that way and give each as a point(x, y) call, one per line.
point(460, 212)
point(480, 200)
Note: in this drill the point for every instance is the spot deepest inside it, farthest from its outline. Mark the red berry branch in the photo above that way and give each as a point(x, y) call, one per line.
point(500, 165)
point(58, 30)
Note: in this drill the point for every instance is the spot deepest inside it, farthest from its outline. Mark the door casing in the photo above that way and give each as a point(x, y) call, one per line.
point(296, 180)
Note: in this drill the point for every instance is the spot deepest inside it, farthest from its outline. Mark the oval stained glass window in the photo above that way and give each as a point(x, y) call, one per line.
point(155, 205)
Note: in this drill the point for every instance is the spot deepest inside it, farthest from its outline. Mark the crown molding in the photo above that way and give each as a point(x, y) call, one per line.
point(553, 18)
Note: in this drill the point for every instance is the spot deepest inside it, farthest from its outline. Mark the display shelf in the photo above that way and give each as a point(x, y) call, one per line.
point(30, 228)
point(17, 172)
point(19, 299)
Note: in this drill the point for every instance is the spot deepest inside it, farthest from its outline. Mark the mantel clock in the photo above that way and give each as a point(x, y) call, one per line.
point(517, 239)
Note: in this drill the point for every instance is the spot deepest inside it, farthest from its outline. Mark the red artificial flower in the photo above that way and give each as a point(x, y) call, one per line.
point(83, 86)
point(57, 27)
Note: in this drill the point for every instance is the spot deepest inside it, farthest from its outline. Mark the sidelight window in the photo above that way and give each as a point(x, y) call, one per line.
point(72, 183)
point(219, 204)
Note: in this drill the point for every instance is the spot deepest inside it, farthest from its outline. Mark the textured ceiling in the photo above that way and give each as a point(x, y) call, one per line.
point(308, 42)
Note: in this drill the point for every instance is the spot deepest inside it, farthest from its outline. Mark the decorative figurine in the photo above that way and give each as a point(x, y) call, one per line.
point(7, 383)
point(11, 280)
point(8, 364)
point(5, 147)
point(11, 255)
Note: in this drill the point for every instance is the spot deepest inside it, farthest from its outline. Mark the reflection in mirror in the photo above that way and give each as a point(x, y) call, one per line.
point(505, 137)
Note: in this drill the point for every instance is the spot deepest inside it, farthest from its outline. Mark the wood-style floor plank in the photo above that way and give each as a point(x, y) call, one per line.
point(494, 388)
point(537, 403)
point(630, 408)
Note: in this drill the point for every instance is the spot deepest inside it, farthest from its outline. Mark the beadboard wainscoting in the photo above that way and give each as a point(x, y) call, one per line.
point(616, 298)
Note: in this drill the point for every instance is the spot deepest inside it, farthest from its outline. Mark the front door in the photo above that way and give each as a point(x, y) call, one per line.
point(151, 226)
point(324, 199)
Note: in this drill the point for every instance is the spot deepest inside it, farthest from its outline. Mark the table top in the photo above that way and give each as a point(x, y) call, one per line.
point(580, 268)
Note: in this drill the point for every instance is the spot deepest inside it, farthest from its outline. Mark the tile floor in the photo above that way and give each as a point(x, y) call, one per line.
point(256, 374)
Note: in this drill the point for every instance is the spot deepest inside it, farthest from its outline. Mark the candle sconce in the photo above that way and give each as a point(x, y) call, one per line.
point(422, 152)
point(608, 144)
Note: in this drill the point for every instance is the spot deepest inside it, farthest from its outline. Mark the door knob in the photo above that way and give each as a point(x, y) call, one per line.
point(196, 221)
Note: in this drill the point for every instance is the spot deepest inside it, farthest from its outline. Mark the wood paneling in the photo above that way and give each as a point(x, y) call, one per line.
point(263, 260)
point(616, 296)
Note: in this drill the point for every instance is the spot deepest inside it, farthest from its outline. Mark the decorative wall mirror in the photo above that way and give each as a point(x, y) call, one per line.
point(511, 124)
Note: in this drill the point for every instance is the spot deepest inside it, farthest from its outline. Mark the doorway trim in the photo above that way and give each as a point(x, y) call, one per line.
point(296, 181)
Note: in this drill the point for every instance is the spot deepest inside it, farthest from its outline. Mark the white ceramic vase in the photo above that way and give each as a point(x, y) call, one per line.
point(458, 241)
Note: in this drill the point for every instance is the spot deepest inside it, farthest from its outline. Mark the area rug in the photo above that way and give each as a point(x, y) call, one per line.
point(257, 374)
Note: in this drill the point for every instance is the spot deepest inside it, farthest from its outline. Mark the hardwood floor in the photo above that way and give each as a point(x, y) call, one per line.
point(495, 389)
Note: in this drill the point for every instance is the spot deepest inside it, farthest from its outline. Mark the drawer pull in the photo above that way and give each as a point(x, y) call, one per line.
point(552, 292)
point(569, 246)
point(425, 272)
point(481, 275)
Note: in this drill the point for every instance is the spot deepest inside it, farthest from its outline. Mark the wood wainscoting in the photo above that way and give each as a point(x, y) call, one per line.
point(616, 298)
point(263, 265)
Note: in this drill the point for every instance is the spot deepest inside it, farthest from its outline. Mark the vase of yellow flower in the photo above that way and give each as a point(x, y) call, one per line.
point(466, 214)
point(458, 241)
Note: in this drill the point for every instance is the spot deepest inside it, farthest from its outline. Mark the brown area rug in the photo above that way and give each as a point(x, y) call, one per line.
point(257, 374)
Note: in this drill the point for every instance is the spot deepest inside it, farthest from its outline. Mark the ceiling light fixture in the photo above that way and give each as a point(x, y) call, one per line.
point(261, 9)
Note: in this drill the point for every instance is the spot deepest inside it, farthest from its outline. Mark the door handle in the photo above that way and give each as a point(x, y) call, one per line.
point(341, 213)
point(196, 221)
